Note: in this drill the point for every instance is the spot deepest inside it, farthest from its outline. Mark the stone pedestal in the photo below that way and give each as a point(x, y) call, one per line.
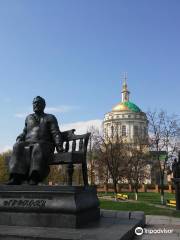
point(48, 206)
point(177, 192)
point(113, 225)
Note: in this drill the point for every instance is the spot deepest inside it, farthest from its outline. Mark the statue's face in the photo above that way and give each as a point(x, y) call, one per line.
point(38, 106)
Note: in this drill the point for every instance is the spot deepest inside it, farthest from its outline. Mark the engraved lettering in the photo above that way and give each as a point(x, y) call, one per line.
point(14, 203)
point(6, 203)
point(25, 203)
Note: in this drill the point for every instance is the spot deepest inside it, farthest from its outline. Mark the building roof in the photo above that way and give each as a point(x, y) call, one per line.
point(126, 106)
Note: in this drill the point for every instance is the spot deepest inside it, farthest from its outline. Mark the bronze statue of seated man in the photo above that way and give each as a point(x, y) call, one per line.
point(176, 167)
point(40, 137)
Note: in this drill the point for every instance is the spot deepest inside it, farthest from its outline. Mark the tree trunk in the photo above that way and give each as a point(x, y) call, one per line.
point(136, 196)
point(162, 191)
point(136, 192)
point(115, 187)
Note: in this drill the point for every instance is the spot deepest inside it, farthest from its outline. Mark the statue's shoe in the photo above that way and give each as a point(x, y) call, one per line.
point(32, 182)
point(13, 182)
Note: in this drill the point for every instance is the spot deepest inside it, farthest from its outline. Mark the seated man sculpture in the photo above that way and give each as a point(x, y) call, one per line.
point(176, 167)
point(40, 136)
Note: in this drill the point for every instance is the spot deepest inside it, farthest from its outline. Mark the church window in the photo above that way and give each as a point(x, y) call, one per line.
point(112, 131)
point(123, 130)
point(136, 130)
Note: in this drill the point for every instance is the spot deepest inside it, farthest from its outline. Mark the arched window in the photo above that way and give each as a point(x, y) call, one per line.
point(136, 131)
point(123, 130)
point(145, 132)
point(112, 131)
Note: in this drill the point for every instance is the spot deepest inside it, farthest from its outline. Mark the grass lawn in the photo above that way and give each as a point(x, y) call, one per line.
point(149, 197)
point(154, 198)
point(143, 204)
point(138, 206)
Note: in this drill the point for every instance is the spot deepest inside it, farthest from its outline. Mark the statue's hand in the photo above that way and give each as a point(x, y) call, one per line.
point(60, 148)
point(20, 138)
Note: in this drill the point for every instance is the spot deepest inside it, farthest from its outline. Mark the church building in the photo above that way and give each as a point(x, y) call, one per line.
point(126, 119)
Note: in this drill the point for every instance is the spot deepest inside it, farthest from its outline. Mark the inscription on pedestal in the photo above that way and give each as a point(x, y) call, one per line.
point(25, 203)
point(48, 206)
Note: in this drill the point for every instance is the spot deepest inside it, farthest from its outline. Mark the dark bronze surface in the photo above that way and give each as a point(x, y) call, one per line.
point(176, 180)
point(48, 206)
point(35, 146)
point(176, 167)
point(33, 151)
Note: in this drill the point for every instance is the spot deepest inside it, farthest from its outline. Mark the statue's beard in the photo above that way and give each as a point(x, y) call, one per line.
point(38, 110)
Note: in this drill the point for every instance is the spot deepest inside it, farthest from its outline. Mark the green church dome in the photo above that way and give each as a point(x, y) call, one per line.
point(133, 107)
point(126, 106)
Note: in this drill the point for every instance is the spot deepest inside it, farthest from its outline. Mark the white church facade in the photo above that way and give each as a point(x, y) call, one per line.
point(126, 119)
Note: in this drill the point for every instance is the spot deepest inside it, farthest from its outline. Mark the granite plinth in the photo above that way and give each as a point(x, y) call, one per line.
point(177, 192)
point(113, 225)
point(48, 206)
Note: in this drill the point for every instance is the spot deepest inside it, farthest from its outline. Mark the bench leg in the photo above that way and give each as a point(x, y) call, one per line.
point(84, 172)
point(70, 170)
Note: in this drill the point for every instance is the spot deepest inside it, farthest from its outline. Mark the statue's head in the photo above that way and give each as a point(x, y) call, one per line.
point(39, 104)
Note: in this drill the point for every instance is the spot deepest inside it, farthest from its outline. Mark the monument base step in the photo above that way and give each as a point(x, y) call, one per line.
point(114, 225)
point(48, 206)
point(49, 219)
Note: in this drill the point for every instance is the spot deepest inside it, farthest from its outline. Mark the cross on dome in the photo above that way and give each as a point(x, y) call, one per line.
point(125, 92)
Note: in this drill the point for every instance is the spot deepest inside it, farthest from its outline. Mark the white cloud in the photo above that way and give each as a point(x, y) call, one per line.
point(5, 148)
point(82, 127)
point(61, 109)
point(58, 109)
point(21, 115)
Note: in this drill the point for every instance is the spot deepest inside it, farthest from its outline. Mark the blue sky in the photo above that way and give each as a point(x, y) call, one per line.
point(72, 52)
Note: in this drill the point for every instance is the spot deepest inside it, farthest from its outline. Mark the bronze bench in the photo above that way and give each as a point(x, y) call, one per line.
point(75, 147)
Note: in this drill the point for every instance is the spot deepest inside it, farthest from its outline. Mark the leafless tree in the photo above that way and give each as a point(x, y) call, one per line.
point(163, 131)
point(137, 170)
point(111, 157)
point(92, 153)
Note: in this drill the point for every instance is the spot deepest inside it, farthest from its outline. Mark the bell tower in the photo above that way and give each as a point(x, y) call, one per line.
point(125, 93)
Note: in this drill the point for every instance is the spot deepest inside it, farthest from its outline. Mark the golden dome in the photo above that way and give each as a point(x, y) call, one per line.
point(126, 106)
point(120, 107)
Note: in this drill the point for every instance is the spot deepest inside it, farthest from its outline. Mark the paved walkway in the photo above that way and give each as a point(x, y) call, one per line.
point(161, 223)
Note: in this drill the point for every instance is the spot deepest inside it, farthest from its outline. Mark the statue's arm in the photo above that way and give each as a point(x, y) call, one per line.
point(56, 134)
point(21, 137)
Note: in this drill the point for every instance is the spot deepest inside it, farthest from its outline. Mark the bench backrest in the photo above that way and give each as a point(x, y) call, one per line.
point(75, 143)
